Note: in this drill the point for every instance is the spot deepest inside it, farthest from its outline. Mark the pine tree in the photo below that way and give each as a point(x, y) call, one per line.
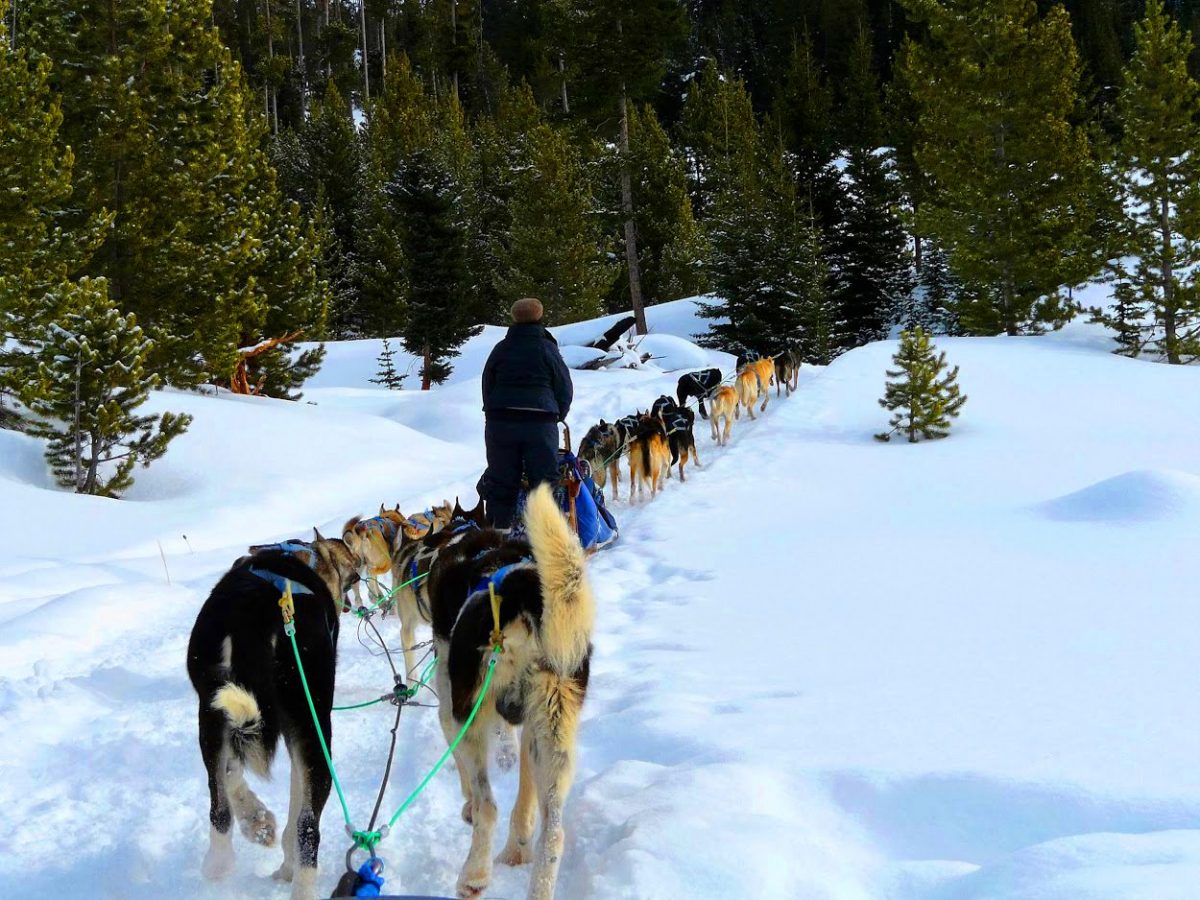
point(872, 268)
point(672, 250)
point(921, 398)
point(387, 374)
point(767, 267)
point(930, 305)
point(92, 378)
point(433, 242)
point(44, 245)
point(154, 108)
point(807, 128)
point(1157, 175)
point(718, 136)
point(554, 250)
point(1017, 188)
point(619, 50)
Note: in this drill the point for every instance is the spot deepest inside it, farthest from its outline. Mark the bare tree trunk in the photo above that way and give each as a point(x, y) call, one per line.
point(383, 49)
point(75, 425)
point(562, 75)
point(631, 255)
point(454, 44)
point(427, 360)
point(362, 10)
point(1168, 280)
point(271, 55)
point(13, 30)
point(89, 484)
point(300, 48)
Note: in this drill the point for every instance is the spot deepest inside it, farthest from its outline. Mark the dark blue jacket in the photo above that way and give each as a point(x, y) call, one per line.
point(526, 372)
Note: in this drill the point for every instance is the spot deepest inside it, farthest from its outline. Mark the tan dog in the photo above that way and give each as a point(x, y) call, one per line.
point(722, 405)
point(747, 389)
point(764, 371)
point(649, 457)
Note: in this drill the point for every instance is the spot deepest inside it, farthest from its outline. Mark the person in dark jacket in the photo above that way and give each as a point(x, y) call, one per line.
point(526, 393)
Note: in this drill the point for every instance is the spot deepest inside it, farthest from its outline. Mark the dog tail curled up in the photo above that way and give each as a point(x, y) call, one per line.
point(245, 725)
point(568, 609)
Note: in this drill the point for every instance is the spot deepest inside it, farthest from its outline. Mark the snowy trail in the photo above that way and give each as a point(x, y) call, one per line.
point(824, 668)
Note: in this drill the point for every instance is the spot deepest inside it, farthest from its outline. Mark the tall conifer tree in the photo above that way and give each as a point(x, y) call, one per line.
point(1157, 175)
point(1016, 188)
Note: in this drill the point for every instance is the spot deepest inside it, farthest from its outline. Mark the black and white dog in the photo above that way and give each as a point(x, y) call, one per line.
point(243, 669)
point(699, 385)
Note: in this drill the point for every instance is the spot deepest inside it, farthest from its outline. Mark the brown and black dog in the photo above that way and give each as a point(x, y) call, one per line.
point(649, 456)
point(545, 616)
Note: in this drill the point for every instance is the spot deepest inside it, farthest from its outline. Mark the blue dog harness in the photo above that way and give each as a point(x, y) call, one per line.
point(386, 528)
point(296, 549)
point(496, 579)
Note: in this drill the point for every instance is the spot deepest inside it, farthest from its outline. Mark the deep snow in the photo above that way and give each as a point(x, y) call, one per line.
point(825, 667)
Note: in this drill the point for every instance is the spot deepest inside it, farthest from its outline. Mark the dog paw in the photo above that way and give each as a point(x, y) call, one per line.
point(472, 885)
point(515, 854)
point(259, 828)
point(218, 863)
point(283, 873)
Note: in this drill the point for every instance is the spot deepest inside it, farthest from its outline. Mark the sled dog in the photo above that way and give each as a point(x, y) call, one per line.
point(699, 385)
point(546, 613)
point(242, 666)
point(724, 406)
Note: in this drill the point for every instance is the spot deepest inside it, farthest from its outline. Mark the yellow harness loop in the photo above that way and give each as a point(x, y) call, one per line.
point(497, 634)
point(287, 606)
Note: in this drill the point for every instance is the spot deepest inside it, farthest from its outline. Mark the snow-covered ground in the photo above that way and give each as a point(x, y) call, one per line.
point(825, 667)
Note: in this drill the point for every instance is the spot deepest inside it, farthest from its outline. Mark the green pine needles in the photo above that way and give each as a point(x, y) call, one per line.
point(387, 374)
point(921, 395)
point(91, 380)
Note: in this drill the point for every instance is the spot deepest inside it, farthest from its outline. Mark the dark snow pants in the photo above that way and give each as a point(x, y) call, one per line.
point(516, 447)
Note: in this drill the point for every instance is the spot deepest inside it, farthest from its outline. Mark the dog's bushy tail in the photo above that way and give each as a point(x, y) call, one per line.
point(245, 726)
point(568, 609)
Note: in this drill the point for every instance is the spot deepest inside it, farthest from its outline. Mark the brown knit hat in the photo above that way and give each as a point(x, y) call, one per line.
point(527, 309)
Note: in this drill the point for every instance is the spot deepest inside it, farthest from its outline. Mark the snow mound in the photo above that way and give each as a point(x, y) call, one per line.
point(1137, 496)
point(671, 353)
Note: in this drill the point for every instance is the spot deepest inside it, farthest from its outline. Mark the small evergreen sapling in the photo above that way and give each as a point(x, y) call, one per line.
point(91, 380)
point(921, 398)
point(388, 376)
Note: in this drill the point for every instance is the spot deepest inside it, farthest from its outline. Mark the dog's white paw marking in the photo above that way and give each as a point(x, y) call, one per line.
point(218, 862)
point(283, 873)
point(473, 885)
point(259, 828)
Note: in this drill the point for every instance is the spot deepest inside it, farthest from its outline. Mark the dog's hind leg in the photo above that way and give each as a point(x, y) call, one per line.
point(552, 750)
point(450, 730)
point(218, 861)
point(615, 474)
point(308, 819)
point(516, 850)
point(256, 822)
point(298, 789)
point(472, 755)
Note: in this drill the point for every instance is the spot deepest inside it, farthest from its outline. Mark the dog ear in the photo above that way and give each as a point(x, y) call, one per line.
point(317, 536)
